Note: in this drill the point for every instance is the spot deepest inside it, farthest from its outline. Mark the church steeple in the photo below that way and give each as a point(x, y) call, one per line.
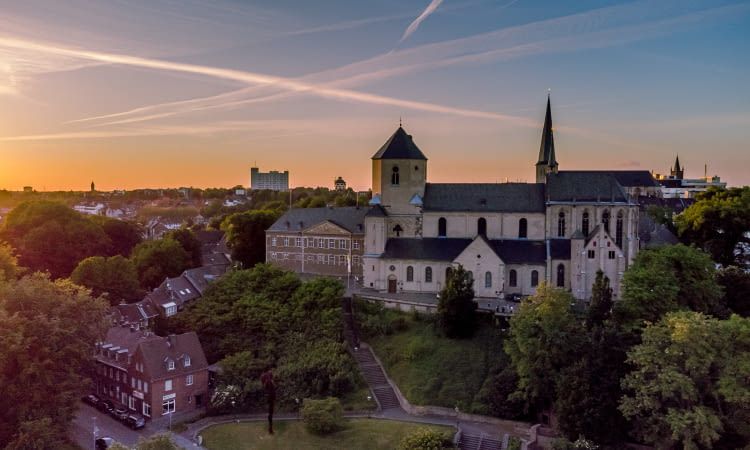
point(547, 162)
point(678, 172)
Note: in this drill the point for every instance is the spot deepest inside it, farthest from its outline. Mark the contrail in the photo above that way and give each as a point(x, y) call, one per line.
point(431, 8)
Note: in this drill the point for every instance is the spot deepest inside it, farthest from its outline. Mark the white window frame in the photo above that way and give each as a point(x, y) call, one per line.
point(146, 409)
point(170, 365)
point(189, 380)
point(168, 406)
point(131, 403)
point(355, 245)
point(187, 361)
point(167, 385)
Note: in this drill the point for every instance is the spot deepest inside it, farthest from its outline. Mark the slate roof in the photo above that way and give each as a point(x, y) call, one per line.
point(490, 197)
point(175, 347)
point(351, 218)
point(584, 186)
point(201, 277)
point(399, 146)
point(376, 211)
point(127, 338)
point(511, 251)
point(626, 178)
point(181, 289)
point(135, 312)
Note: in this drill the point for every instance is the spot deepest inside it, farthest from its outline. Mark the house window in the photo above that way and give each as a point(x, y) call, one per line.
point(560, 275)
point(355, 245)
point(168, 406)
point(482, 226)
point(618, 229)
point(394, 176)
point(145, 387)
point(488, 279)
point(332, 243)
point(189, 380)
point(442, 226)
point(448, 272)
point(522, 228)
point(273, 242)
point(611, 254)
point(321, 259)
point(534, 278)
point(342, 244)
point(170, 365)
point(146, 409)
point(342, 260)
point(410, 274)
point(428, 275)
point(167, 385)
point(321, 243)
point(171, 310)
point(585, 223)
point(355, 260)
point(605, 221)
point(561, 224)
point(187, 361)
point(286, 242)
point(131, 402)
point(299, 242)
point(332, 260)
point(513, 278)
point(132, 382)
point(471, 277)
point(592, 254)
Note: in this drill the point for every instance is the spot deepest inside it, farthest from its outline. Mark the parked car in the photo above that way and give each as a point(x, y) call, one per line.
point(119, 412)
point(516, 298)
point(104, 405)
point(91, 399)
point(103, 443)
point(135, 421)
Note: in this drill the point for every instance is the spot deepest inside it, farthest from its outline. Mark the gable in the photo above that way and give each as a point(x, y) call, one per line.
point(479, 251)
point(327, 227)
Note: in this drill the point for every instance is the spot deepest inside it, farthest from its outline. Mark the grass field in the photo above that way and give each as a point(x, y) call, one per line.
point(430, 369)
point(360, 434)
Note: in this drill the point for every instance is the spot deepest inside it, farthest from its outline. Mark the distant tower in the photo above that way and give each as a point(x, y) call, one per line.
point(93, 188)
point(339, 184)
point(677, 172)
point(547, 162)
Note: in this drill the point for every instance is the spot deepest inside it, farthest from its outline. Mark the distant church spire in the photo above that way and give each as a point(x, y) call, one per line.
point(547, 162)
point(678, 172)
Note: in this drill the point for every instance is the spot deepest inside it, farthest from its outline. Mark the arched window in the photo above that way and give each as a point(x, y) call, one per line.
point(522, 228)
point(482, 226)
point(561, 224)
point(488, 279)
point(448, 273)
point(605, 220)
point(442, 225)
point(560, 275)
point(398, 230)
point(471, 276)
point(428, 274)
point(534, 278)
point(394, 176)
point(410, 273)
point(513, 278)
point(618, 229)
point(585, 223)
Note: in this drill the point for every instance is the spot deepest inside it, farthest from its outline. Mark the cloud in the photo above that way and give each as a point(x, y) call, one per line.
point(431, 8)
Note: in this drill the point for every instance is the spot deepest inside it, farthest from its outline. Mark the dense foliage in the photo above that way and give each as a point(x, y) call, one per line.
point(115, 277)
point(246, 235)
point(157, 260)
point(47, 331)
point(425, 439)
point(456, 307)
point(254, 319)
point(322, 416)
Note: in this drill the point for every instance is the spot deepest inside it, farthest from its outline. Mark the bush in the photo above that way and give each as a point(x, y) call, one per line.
point(322, 416)
point(425, 439)
point(514, 443)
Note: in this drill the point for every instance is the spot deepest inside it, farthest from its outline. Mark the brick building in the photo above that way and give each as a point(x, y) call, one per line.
point(149, 374)
point(322, 241)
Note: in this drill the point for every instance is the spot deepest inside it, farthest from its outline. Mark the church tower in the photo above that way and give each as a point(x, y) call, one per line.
point(677, 172)
point(399, 173)
point(547, 162)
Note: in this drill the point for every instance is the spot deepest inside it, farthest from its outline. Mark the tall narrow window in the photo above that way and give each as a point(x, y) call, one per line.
point(410, 273)
point(585, 223)
point(522, 228)
point(488, 279)
point(448, 272)
point(394, 176)
point(618, 229)
point(560, 275)
point(534, 278)
point(442, 226)
point(482, 226)
point(428, 274)
point(605, 220)
point(561, 224)
point(398, 230)
point(513, 278)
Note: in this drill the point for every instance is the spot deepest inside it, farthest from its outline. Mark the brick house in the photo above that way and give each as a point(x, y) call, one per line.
point(321, 241)
point(149, 374)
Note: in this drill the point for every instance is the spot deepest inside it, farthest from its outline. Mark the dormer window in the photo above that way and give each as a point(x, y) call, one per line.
point(394, 176)
point(170, 365)
point(187, 361)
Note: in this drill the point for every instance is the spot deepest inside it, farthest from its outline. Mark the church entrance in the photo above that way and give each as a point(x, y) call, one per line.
point(392, 286)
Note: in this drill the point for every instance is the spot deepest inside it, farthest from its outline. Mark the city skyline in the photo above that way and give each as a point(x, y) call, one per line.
point(194, 96)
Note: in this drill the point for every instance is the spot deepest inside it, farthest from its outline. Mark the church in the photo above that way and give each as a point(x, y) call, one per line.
point(511, 237)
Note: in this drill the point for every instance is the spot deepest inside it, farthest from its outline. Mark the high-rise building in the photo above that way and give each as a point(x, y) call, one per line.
point(273, 180)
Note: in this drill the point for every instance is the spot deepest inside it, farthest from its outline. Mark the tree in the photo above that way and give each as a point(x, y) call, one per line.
point(8, 263)
point(456, 307)
point(667, 279)
point(718, 222)
point(155, 442)
point(123, 235)
point(157, 260)
point(115, 276)
point(47, 331)
point(736, 284)
point(544, 338)
point(190, 243)
point(246, 235)
point(600, 308)
point(689, 386)
point(425, 439)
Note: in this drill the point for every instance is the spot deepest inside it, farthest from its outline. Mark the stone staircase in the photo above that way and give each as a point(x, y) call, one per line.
point(480, 442)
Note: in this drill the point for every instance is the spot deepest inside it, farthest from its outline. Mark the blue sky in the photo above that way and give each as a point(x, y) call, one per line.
point(174, 93)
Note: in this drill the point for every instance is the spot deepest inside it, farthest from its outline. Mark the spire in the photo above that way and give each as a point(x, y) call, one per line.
point(677, 164)
point(547, 148)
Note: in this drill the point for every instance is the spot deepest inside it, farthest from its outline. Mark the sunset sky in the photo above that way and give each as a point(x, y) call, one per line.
point(167, 93)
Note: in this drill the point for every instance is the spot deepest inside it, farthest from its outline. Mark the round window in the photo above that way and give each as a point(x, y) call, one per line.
point(392, 268)
point(395, 169)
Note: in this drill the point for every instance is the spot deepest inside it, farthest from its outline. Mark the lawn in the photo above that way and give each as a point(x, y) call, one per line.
point(360, 434)
point(430, 369)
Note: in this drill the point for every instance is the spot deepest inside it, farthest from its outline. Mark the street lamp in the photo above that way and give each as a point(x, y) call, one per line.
point(96, 430)
point(458, 421)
